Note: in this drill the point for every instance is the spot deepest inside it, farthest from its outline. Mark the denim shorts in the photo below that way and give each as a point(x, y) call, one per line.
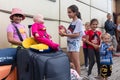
point(73, 45)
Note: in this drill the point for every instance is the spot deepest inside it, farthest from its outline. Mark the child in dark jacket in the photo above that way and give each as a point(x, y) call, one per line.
point(106, 56)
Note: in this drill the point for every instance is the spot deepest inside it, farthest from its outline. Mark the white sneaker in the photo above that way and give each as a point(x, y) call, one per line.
point(90, 77)
point(80, 78)
point(86, 68)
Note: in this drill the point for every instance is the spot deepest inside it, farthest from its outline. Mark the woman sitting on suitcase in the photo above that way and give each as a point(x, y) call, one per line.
point(40, 34)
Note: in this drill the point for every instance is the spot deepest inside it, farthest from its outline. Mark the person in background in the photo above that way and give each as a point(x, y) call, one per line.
point(93, 40)
point(106, 56)
point(74, 34)
point(85, 46)
point(118, 28)
point(16, 17)
point(110, 28)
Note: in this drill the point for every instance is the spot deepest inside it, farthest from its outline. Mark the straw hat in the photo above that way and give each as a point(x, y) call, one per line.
point(17, 11)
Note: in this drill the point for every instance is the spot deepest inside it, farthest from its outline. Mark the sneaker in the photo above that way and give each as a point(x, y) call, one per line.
point(80, 78)
point(90, 77)
point(85, 78)
point(86, 68)
point(98, 77)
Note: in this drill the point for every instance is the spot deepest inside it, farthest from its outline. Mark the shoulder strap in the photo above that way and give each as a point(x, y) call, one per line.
point(95, 34)
point(12, 68)
point(29, 27)
point(18, 32)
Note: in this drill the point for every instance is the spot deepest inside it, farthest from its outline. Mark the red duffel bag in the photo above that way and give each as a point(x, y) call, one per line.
point(7, 73)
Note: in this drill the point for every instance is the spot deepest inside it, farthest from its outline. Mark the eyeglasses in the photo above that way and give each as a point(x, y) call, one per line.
point(18, 15)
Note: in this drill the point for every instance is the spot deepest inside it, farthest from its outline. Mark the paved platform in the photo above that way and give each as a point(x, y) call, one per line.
point(115, 72)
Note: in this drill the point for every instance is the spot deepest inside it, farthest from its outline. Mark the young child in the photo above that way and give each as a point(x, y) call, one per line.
point(106, 56)
point(16, 17)
point(85, 46)
point(40, 34)
point(93, 41)
point(74, 34)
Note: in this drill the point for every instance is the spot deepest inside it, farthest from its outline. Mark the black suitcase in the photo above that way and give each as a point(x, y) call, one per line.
point(42, 66)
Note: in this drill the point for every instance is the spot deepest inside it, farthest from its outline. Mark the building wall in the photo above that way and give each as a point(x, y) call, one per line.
point(118, 6)
point(114, 5)
point(55, 14)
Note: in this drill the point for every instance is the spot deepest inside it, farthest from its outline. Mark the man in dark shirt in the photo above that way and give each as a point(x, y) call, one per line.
point(110, 28)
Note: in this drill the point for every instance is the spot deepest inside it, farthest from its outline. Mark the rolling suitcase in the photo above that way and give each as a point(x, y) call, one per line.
point(42, 66)
point(55, 66)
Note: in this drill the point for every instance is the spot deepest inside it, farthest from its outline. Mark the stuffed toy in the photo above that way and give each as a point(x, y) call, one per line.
point(40, 34)
point(62, 29)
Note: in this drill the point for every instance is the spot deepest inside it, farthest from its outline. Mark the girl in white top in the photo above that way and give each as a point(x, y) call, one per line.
point(74, 34)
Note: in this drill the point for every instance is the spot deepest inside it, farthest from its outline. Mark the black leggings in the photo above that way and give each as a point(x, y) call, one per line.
point(85, 51)
point(92, 54)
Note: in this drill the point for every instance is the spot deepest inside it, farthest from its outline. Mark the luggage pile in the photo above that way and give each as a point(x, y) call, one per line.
point(34, 64)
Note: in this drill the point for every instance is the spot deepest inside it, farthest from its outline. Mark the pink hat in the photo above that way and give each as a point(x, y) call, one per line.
point(17, 11)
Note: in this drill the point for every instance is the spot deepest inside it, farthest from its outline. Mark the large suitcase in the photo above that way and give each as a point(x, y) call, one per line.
point(42, 66)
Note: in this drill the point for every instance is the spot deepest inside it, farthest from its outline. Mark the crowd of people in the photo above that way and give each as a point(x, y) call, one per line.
point(97, 46)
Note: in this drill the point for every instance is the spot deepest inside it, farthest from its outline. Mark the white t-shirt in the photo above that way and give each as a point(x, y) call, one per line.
point(75, 27)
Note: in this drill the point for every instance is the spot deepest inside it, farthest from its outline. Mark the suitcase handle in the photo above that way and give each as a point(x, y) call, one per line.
point(27, 68)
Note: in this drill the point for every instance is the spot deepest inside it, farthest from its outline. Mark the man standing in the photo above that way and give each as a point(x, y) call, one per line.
point(110, 28)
